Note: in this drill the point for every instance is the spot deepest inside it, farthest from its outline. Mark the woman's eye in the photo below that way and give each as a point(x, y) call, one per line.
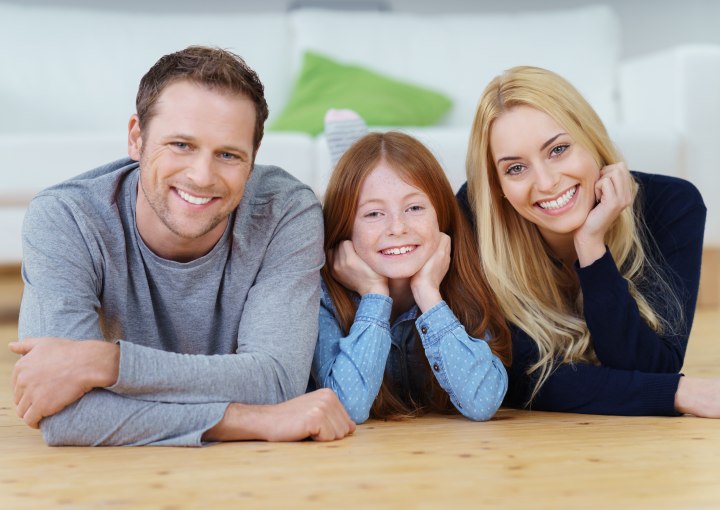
point(415, 208)
point(556, 151)
point(372, 214)
point(514, 169)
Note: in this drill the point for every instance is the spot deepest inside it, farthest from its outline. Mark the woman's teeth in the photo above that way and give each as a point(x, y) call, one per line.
point(560, 202)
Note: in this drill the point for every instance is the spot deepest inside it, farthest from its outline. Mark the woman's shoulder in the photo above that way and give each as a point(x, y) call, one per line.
point(671, 207)
point(659, 191)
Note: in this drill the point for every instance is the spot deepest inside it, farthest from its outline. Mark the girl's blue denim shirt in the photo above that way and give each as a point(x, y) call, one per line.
point(353, 365)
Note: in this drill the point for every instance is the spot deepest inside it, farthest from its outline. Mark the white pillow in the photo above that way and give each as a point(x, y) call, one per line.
point(459, 54)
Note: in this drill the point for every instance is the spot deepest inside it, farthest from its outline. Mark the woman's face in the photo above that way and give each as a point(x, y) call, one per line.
point(546, 176)
point(395, 229)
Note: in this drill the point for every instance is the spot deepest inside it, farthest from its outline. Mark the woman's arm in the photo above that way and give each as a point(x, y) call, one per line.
point(674, 213)
point(589, 389)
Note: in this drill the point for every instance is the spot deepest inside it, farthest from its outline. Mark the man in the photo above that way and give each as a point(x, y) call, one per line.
point(191, 277)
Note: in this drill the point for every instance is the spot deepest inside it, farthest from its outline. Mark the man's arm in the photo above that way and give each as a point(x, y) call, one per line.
point(63, 280)
point(102, 418)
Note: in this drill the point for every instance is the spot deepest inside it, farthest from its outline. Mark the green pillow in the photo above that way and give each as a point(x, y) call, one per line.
point(324, 83)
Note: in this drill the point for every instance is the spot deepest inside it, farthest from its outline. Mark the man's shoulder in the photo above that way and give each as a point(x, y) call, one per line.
point(270, 183)
point(90, 198)
point(101, 182)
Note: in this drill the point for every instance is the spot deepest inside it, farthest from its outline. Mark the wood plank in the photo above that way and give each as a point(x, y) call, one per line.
point(519, 459)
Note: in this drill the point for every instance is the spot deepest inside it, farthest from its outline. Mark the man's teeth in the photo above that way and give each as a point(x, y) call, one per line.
point(560, 202)
point(193, 200)
point(398, 251)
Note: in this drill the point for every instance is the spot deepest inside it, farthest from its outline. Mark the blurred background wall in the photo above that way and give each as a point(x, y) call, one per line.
point(647, 25)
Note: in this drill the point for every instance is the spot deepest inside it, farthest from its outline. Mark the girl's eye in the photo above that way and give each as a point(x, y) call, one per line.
point(559, 149)
point(415, 208)
point(514, 169)
point(372, 214)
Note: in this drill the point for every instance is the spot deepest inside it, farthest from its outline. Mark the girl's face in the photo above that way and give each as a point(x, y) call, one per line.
point(546, 176)
point(395, 229)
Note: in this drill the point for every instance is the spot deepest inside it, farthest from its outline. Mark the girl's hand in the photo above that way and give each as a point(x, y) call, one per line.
point(613, 192)
point(425, 284)
point(354, 273)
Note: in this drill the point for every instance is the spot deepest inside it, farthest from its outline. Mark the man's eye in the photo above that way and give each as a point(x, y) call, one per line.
point(180, 145)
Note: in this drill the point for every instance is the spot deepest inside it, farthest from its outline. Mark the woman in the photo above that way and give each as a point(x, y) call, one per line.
point(595, 268)
point(407, 322)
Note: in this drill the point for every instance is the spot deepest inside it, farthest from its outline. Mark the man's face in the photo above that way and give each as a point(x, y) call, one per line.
point(195, 157)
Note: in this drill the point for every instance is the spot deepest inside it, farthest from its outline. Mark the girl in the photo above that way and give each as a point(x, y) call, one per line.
point(595, 268)
point(407, 322)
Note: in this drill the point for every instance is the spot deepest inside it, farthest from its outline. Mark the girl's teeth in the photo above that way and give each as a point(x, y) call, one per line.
point(560, 202)
point(398, 251)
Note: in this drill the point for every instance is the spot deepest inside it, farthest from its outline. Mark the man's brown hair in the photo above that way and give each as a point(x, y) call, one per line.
point(214, 68)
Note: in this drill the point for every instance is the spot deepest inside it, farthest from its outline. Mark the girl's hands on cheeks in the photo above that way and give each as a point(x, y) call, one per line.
point(613, 192)
point(354, 273)
point(425, 284)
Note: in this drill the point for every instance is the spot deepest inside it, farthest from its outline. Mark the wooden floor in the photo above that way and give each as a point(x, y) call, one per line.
point(518, 460)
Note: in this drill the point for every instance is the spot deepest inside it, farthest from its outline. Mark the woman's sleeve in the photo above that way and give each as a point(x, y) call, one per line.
point(675, 216)
point(353, 365)
point(589, 389)
point(473, 377)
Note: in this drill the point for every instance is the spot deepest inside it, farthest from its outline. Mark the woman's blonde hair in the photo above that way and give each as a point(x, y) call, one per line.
point(464, 287)
point(537, 293)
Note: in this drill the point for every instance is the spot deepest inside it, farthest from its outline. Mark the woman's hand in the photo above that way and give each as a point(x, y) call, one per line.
point(354, 273)
point(425, 284)
point(700, 397)
point(613, 192)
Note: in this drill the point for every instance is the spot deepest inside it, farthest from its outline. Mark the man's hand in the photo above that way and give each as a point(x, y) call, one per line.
point(318, 415)
point(54, 372)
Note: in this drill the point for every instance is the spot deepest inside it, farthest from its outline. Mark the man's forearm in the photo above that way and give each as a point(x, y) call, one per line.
point(318, 415)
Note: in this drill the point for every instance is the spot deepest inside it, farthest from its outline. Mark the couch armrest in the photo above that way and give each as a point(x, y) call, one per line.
point(677, 89)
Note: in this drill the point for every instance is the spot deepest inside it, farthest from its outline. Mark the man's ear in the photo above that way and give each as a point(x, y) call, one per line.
point(134, 138)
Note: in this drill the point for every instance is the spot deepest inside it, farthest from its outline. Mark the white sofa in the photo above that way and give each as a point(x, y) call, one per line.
point(69, 78)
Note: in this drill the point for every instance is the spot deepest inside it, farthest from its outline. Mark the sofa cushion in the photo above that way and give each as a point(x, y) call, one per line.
point(324, 83)
point(459, 54)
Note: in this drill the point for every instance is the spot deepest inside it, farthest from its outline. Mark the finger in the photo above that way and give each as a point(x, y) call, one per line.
point(21, 347)
point(22, 406)
point(32, 417)
point(18, 387)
